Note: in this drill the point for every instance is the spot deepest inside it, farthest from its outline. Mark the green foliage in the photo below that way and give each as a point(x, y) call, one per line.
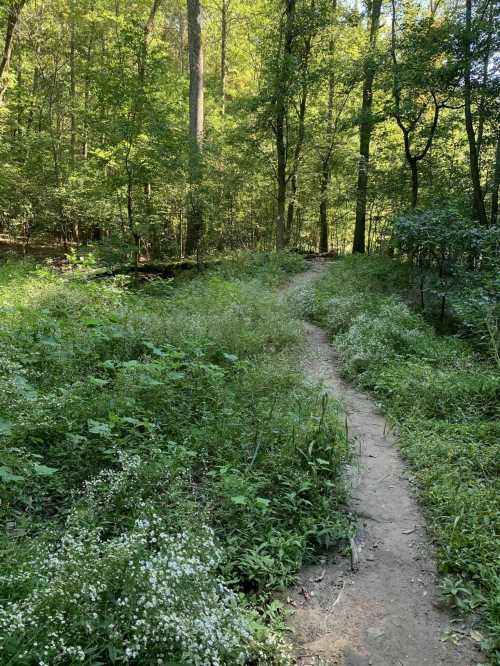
point(446, 404)
point(187, 404)
point(146, 596)
point(438, 238)
point(456, 270)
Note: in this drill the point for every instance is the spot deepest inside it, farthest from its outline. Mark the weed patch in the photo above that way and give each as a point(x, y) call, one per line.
point(162, 464)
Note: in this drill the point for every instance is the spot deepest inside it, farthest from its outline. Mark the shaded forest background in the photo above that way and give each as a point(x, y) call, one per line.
point(314, 123)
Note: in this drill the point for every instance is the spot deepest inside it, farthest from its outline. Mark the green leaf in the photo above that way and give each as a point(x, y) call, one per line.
point(91, 323)
point(7, 475)
point(230, 357)
point(239, 499)
point(43, 470)
point(98, 428)
point(97, 381)
point(154, 350)
point(5, 427)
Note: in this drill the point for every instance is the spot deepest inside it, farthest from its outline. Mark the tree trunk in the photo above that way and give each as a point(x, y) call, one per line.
point(496, 184)
point(298, 150)
point(12, 22)
point(326, 158)
point(323, 207)
point(281, 115)
point(365, 131)
point(72, 79)
point(414, 182)
point(484, 83)
point(223, 52)
point(479, 208)
point(196, 127)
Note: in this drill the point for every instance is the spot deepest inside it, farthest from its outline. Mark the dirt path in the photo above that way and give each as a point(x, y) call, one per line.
point(386, 614)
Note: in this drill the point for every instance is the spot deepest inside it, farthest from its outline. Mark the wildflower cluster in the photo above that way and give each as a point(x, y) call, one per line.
point(145, 597)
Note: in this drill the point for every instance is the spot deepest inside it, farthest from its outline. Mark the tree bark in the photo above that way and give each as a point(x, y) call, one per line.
point(326, 158)
point(281, 116)
point(300, 142)
point(323, 207)
point(414, 182)
point(496, 184)
point(12, 22)
point(223, 52)
point(365, 132)
point(72, 79)
point(196, 127)
point(478, 200)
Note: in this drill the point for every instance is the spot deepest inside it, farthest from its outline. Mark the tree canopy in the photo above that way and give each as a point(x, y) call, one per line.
point(321, 119)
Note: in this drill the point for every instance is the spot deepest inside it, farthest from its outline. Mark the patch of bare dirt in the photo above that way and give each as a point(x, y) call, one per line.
point(386, 613)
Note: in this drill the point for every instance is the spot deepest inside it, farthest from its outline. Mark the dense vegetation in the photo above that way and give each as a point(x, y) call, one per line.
point(153, 440)
point(444, 396)
point(165, 131)
point(163, 467)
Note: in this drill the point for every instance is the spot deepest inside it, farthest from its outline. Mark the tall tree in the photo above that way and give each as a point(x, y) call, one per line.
point(282, 96)
point(422, 82)
point(292, 178)
point(326, 155)
point(366, 127)
point(224, 9)
point(478, 197)
point(13, 16)
point(196, 127)
point(496, 182)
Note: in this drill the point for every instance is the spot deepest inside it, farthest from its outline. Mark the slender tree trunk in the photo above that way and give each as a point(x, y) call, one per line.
point(281, 116)
point(223, 52)
point(496, 184)
point(326, 158)
point(196, 127)
point(86, 98)
point(182, 29)
point(72, 79)
point(12, 22)
point(365, 132)
point(484, 83)
point(414, 182)
point(296, 157)
point(323, 207)
point(479, 208)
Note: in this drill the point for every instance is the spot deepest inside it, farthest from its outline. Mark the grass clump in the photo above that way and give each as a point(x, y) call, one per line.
point(445, 401)
point(161, 458)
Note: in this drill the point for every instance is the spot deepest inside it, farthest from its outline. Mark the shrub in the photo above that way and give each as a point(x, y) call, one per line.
point(147, 596)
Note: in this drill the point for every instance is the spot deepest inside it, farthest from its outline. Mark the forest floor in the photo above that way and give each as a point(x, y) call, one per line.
point(386, 613)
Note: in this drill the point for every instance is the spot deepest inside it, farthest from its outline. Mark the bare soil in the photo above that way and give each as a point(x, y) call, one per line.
point(387, 613)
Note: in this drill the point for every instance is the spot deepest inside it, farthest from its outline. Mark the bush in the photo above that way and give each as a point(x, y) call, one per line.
point(393, 333)
point(456, 270)
point(145, 596)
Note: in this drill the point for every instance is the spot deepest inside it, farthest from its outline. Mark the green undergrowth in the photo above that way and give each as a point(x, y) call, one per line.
point(446, 404)
point(163, 466)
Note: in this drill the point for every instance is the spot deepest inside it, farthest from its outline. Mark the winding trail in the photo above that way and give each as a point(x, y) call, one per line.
point(385, 614)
